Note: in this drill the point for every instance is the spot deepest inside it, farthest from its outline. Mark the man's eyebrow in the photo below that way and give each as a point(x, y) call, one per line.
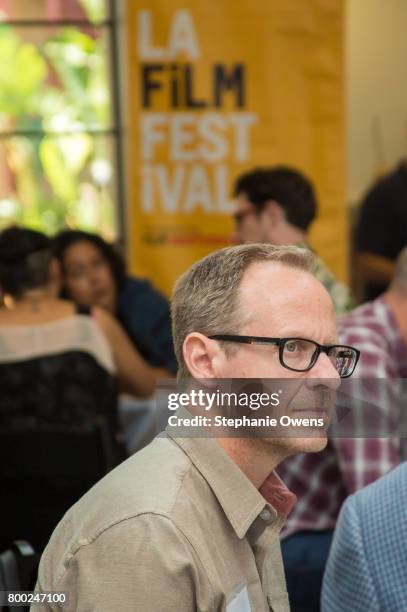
point(294, 334)
point(298, 334)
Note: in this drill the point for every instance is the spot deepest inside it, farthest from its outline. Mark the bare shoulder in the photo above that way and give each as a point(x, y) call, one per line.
point(45, 312)
point(4, 315)
point(105, 320)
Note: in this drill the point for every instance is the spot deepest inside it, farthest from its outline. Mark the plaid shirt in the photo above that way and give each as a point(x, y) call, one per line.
point(321, 481)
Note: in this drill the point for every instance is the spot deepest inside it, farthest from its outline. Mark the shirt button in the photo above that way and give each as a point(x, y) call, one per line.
point(265, 514)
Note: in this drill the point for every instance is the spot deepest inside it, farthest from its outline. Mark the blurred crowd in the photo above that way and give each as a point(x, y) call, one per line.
point(83, 345)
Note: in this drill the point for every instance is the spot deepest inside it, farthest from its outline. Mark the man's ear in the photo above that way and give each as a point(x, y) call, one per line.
point(274, 212)
point(202, 356)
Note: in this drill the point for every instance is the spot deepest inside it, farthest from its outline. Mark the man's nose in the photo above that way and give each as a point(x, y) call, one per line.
point(324, 373)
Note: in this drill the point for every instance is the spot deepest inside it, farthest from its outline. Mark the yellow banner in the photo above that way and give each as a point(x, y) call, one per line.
point(214, 89)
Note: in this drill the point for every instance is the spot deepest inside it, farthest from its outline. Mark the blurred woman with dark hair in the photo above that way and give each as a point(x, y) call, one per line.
point(61, 367)
point(94, 275)
point(34, 315)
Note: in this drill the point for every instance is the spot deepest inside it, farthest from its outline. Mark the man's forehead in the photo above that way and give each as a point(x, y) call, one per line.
point(288, 299)
point(270, 271)
point(277, 282)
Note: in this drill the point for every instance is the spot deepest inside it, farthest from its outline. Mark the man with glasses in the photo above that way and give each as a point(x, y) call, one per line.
point(192, 523)
point(277, 205)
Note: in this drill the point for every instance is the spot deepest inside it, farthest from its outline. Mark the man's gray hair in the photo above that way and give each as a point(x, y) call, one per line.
point(206, 297)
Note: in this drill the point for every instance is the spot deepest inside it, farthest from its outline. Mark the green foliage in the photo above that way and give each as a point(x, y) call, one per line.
point(95, 9)
point(23, 70)
point(80, 64)
point(61, 87)
point(53, 163)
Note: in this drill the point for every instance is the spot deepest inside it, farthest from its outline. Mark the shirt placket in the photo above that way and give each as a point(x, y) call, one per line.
point(264, 536)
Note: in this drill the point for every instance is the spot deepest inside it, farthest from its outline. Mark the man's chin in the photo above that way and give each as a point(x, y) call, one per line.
point(312, 444)
point(308, 444)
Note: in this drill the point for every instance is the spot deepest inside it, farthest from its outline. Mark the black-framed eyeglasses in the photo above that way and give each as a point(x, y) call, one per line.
point(301, 354)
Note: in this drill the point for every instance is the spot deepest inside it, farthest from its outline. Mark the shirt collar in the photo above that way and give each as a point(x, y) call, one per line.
point(238, 497)
point(278, 495)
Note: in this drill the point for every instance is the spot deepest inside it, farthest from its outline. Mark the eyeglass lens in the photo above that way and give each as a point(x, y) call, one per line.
point(343, 359)
point(299, 355)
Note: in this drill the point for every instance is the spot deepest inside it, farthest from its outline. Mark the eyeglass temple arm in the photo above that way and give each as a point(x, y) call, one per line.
point(246, 339)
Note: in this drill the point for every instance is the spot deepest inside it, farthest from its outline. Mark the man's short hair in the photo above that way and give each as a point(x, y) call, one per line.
point(286, 186)
point(206, 297)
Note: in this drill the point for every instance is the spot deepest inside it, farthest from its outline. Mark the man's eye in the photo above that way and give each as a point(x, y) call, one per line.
point(291, 347)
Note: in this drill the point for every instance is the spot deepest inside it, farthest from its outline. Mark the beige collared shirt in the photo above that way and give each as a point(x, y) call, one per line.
point(176, 528)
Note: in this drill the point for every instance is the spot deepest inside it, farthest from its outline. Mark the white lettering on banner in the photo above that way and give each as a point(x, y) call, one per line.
point(182, 36)
point(150, 133)
point(198, 144)
point(170, 191)
point(185, 188)
point(191, 137)
point(214, 147)
point(221, 188)
point(242, 121)
point(146, 189)
point(181, 39)
point(198, 193)
point(181, 135)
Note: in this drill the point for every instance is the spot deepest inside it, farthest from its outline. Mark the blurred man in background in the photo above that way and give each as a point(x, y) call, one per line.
point(367, 443)
point(381, 231)
point(364, 571)
point(277, 205)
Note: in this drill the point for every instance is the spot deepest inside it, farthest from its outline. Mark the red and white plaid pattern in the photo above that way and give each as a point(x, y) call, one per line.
point(321, 481)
